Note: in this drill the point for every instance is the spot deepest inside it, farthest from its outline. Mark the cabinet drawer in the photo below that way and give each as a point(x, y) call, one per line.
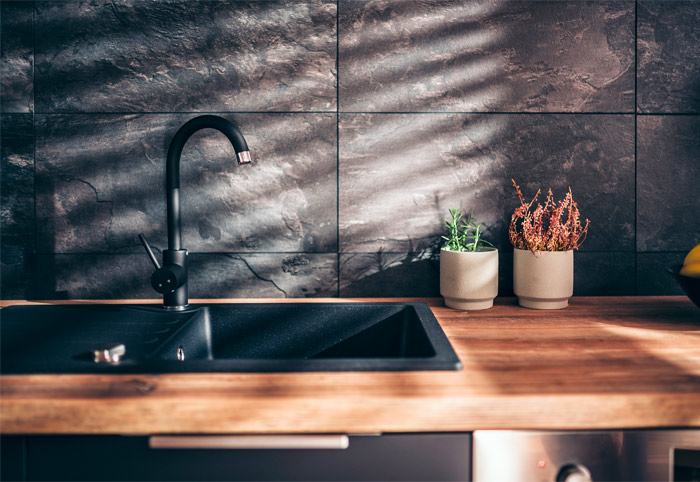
point(12, 461)
point(387, 457)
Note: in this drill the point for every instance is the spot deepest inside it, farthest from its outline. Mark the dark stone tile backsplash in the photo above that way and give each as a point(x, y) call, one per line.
point(467, 161)
point(652, 275)
point(17, 206)
point(105, 276)
point(517, 56)
point(174, 56)
point(389, 274)
point(668, 182)
point(16, 55)
point(100, 181)
point(668, 56)
point(366, 120)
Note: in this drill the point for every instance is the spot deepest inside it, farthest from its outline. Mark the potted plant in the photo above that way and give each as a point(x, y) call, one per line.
point(544, 240)
point(468, 265)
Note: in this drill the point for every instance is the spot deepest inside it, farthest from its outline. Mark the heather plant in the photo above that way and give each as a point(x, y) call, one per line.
point(552, 227)
point(464, 235)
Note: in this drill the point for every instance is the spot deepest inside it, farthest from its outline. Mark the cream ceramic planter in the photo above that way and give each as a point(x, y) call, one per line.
point(469, 280)
point(544, 280)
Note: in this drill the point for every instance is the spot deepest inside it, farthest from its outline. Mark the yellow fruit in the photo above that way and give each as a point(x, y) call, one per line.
point(693, 256)
point(691, 269)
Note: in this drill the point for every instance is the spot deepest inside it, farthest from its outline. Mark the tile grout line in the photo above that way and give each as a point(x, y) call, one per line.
point(664, 114)
point(159, 251)
point(636, 160)
point(252, 253)
point(35, 282)
point(222, 112)
point(337, 142)
point(337, 112)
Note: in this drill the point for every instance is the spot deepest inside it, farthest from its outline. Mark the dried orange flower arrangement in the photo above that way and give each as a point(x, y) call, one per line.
point(552, 227)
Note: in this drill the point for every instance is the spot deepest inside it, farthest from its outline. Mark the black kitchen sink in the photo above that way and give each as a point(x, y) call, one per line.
point(245, 337)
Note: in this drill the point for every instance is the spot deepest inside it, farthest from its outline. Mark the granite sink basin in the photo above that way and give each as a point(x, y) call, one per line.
point(245, 337)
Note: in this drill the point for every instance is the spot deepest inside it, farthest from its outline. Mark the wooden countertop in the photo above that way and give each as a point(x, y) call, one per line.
point(601, 363)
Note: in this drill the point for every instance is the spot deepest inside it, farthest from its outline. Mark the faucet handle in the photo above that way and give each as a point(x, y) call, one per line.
point(149, 251)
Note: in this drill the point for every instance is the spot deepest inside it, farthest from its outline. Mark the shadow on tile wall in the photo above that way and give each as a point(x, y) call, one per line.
point(367, 120)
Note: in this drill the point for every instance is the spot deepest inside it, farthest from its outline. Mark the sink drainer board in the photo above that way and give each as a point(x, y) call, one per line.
point(241, 337)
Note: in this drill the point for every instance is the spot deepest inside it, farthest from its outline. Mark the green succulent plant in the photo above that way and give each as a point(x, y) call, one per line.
point(464, 235)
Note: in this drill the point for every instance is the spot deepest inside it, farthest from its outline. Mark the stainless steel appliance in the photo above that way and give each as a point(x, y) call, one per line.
point(626, 455)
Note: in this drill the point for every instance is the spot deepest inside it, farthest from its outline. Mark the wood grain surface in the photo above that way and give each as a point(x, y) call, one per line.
point(620, 362)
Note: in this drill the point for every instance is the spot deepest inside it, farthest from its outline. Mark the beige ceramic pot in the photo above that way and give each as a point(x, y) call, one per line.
point(469, 280)
point(544, 280)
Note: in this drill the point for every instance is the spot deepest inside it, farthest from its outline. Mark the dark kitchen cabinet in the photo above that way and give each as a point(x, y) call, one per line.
point(402, 457)
point(12, 461)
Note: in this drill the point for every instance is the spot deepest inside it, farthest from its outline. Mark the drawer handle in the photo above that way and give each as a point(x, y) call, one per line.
point(327, 442)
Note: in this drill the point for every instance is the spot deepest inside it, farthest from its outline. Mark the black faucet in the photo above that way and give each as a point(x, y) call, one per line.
point(171, 279)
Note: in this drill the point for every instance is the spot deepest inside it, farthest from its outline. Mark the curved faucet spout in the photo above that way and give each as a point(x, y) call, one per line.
point(172, 170)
